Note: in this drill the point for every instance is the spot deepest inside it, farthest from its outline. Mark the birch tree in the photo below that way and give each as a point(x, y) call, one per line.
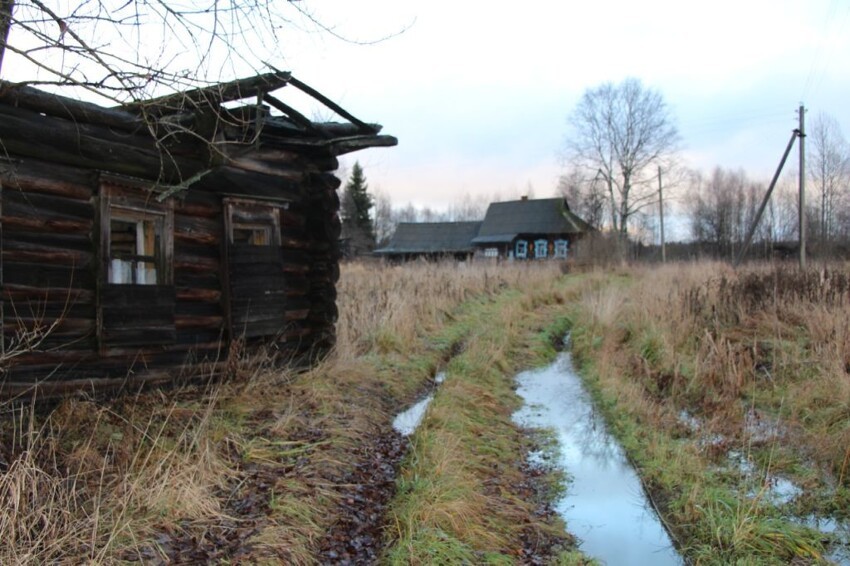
point(829, 168)
point(622, 132)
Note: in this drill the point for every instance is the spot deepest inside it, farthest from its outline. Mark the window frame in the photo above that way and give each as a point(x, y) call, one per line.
point(523, 244)
point(541, 244)
point(562, 248)
point(245, 214)
point(136, 204)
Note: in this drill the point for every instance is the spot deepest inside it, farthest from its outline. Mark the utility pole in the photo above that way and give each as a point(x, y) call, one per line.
point(802, 217)
point(661, 217)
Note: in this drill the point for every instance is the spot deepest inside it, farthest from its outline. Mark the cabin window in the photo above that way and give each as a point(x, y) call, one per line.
point(521, 249)
point(491, 252)
point(250, 223)
point(135, 247)
point(136, 297)
point(137, 243)
point(541, 249)
point(561, 248)
point(251, 234)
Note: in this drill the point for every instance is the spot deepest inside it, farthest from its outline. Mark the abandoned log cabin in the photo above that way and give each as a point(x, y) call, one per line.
point(140, 238)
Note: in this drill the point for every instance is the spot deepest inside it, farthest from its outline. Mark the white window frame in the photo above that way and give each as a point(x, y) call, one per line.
point(491, 252)
point(521, 248)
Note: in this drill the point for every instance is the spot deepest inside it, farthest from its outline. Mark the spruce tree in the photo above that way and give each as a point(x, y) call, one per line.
point(356, 205)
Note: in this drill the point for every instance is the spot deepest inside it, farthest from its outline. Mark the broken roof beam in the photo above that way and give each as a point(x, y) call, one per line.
point(294, 115)
point(211, 96)
point(364, 127)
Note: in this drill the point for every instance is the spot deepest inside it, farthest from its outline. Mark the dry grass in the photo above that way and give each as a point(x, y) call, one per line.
point(134, 478)
point(759, 358)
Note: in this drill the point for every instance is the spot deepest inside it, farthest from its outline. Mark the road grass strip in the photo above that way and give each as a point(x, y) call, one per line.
point(464, 495)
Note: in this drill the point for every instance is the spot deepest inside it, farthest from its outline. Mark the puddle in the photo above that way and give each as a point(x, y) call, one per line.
point(838, 552)
point(406, 422)
point(605, 505)
point(777, 489)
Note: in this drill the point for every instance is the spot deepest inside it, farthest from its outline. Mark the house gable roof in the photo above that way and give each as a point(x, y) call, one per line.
point(431, 237)
point(506, 220)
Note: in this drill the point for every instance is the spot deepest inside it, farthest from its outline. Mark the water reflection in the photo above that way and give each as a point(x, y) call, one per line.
point(605, 505)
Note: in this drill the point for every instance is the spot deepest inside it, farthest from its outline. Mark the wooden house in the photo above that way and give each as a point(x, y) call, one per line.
point(139, 238)
point(529, 229)
point(431, 240)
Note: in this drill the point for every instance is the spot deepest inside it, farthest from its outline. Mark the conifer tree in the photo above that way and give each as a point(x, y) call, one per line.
point(357, 224)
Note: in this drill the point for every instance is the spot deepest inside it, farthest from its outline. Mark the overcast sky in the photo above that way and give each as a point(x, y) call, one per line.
point(478, 93)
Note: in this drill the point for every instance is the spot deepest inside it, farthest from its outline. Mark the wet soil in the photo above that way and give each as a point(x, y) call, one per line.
point(356, 536)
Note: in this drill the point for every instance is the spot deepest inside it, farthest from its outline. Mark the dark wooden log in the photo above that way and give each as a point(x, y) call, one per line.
point(68, 108)
point(209, 97)
point(29, 134)
point(35, 176)
point(18, 203)
point(195, 294)
point(183, 322)
point(18, 292)
point(45, 224)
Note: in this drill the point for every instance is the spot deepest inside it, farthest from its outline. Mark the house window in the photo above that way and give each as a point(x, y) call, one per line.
point(521, 249)
point(251, 234)
point(561, 248)
point(136, 236)
point(136, 247)
point(491, 252)
point(540, 249)
point(250, 223)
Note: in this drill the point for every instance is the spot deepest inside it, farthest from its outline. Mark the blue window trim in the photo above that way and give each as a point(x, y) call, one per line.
point(541, 245)
point(521, 249)
point(560, 245)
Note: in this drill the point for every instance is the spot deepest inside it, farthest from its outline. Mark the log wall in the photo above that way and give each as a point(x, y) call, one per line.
point(53, 285)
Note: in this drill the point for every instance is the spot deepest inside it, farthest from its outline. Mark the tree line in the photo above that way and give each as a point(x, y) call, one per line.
point(624, 140)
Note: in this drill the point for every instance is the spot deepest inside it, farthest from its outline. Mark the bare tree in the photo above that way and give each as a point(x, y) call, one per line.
point(829, 167)
point(383, 218)
point(124, 51)
point(586, 197)
point(722, 206)
point(468, 208)
point(622, 132)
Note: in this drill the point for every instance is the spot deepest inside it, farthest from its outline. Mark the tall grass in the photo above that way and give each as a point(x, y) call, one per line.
point(107, 480)
point(759, 359)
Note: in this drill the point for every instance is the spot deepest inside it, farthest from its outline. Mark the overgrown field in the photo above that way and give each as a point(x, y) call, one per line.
point(730, 392)
point(269, 466)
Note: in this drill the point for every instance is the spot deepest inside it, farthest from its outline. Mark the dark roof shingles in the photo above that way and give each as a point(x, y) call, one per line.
point(432, 237)
point(505, 220)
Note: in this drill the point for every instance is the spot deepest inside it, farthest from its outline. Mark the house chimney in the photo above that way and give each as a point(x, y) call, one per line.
point(524, 197)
